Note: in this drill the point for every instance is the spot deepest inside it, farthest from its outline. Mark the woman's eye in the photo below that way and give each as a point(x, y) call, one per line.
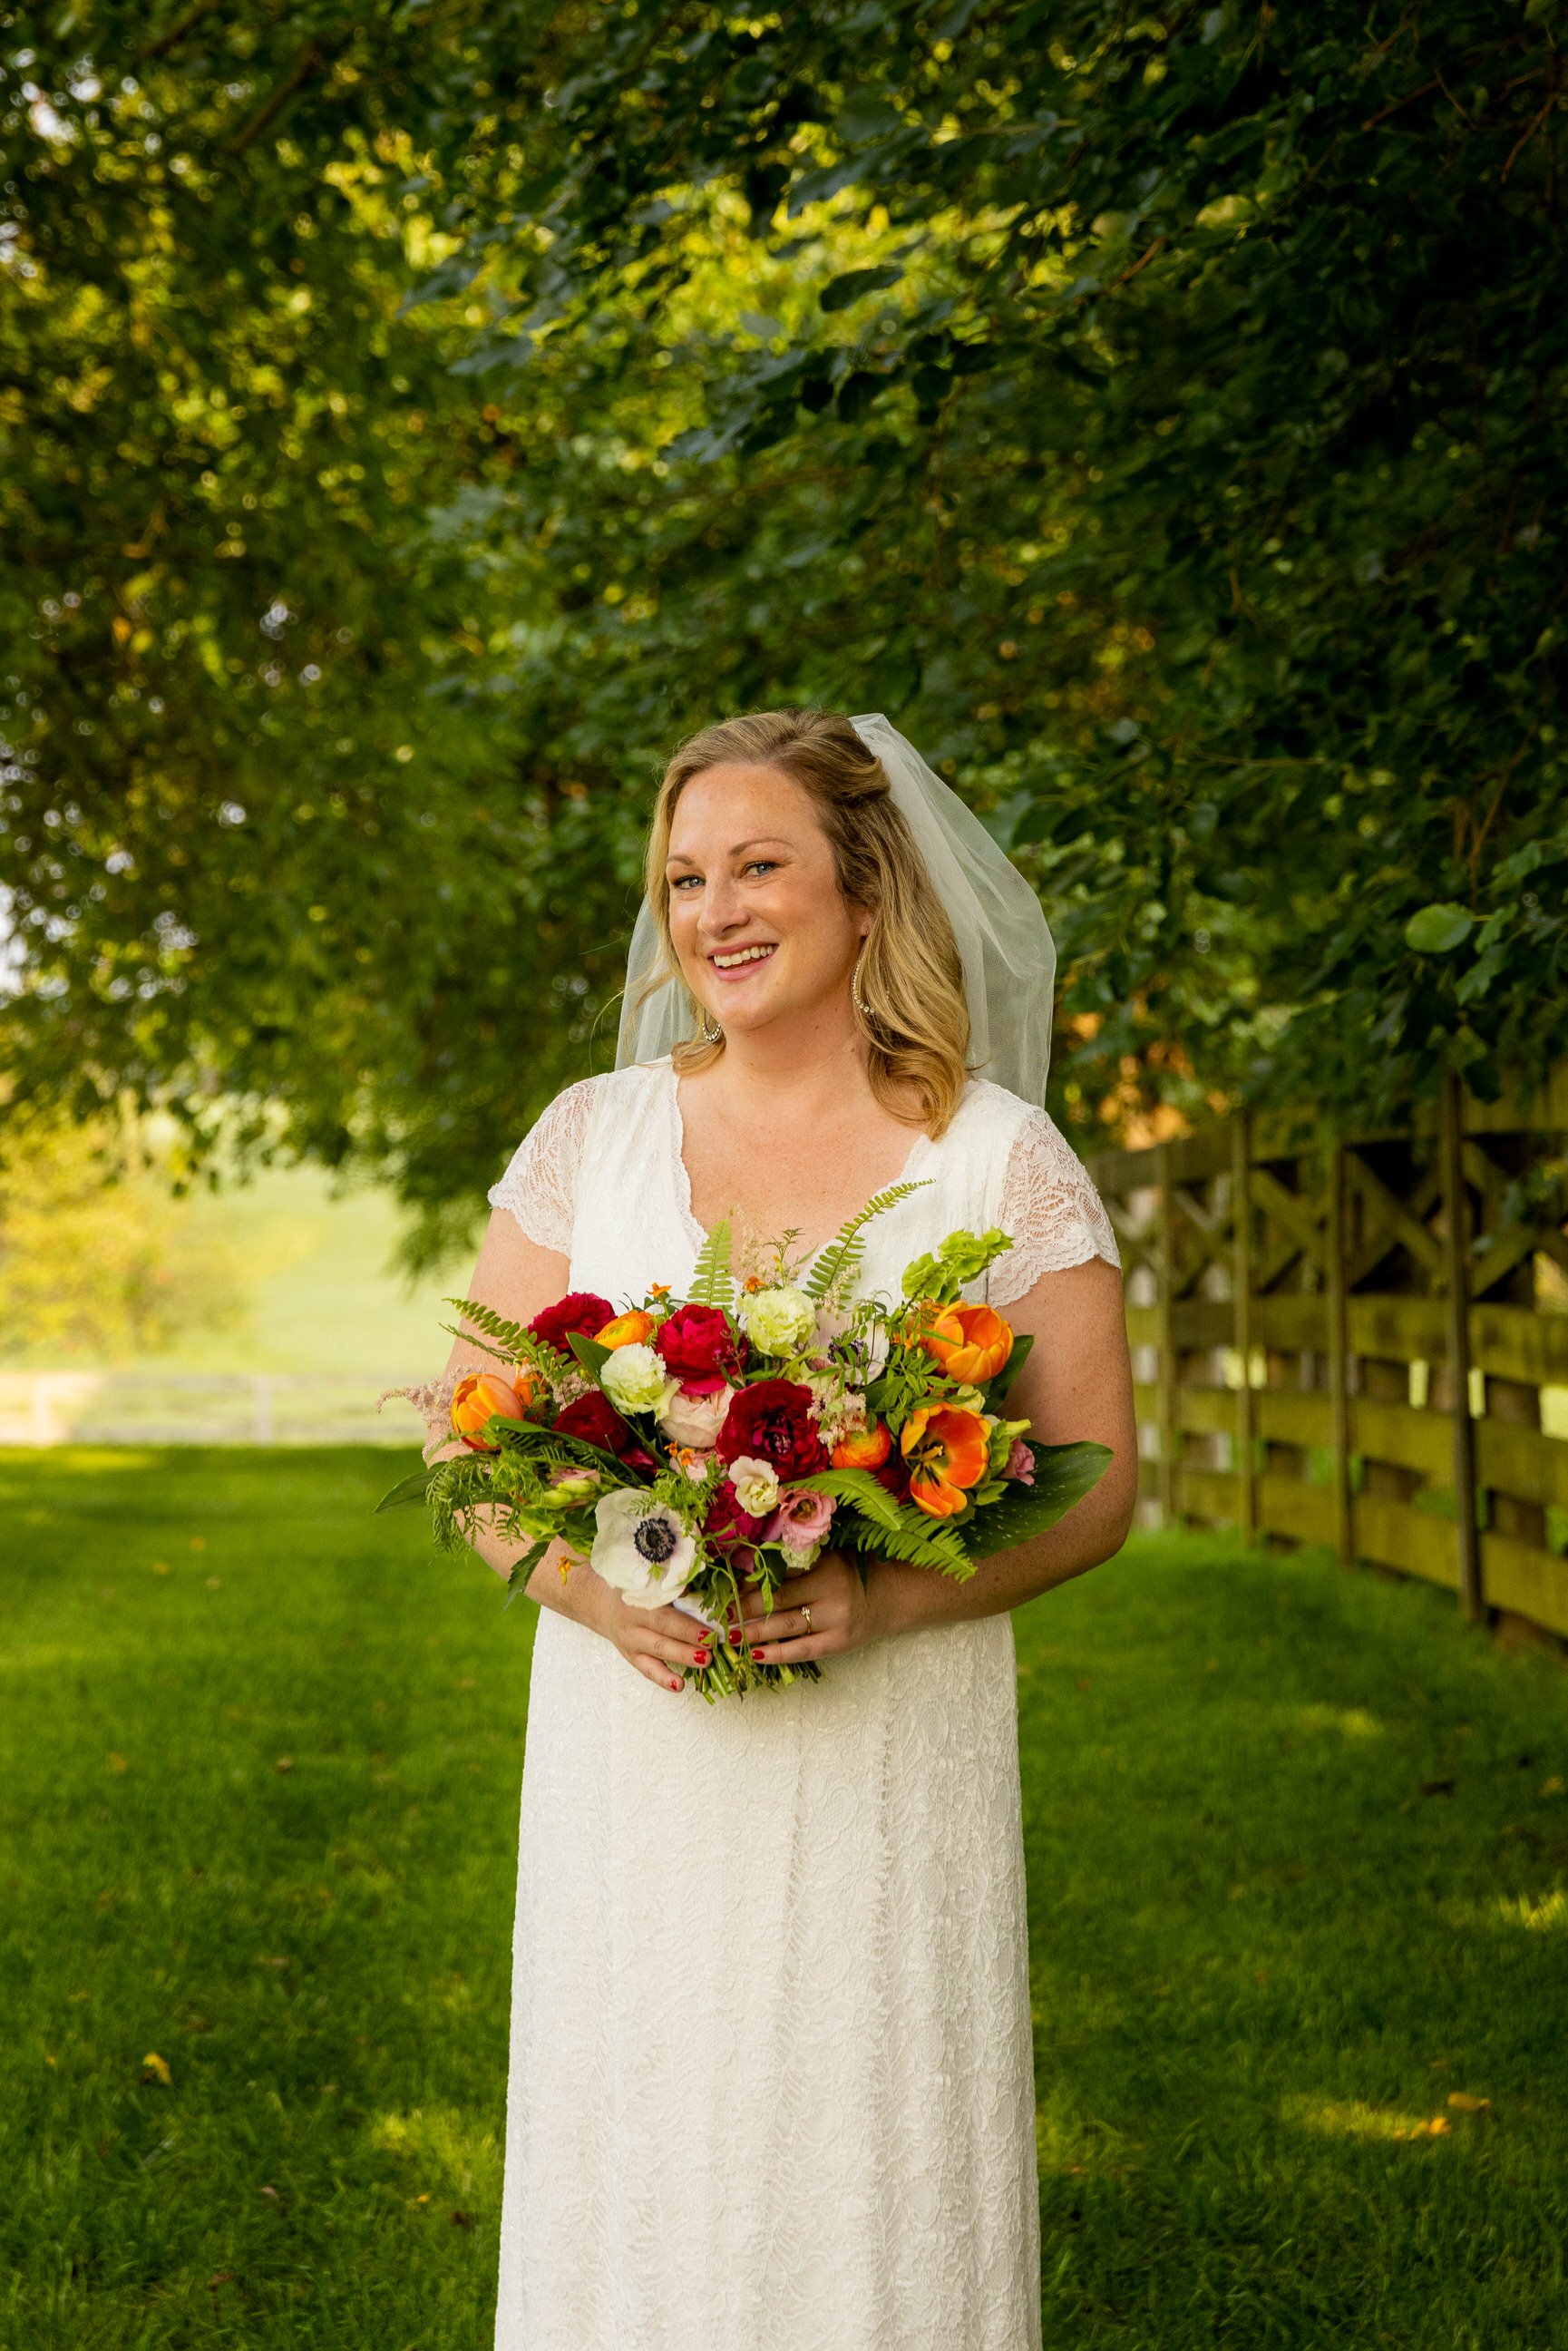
point(681, 880)
point(763, 866)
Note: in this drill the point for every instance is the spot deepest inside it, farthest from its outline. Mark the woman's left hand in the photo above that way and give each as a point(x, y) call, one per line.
point(820, 1613)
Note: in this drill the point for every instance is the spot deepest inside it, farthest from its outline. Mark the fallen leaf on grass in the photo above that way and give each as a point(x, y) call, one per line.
point(1466, 2103)
point(463, 2220)
point(214, 1582)
point(118, 1763)
point(156, 2069)
point(272, 2193)
point(198, 1543)
point(272, 1963)
point(284, 1763)
point(160, 1567)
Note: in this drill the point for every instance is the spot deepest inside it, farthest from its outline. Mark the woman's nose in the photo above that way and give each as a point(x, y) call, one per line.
point(721, 907)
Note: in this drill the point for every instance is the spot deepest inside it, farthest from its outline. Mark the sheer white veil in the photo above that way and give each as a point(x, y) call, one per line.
point(1010, 961)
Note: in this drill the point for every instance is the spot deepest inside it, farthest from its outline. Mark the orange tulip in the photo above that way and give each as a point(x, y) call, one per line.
point(864, 1448)
point(629, 1330)
point(970, 1343)
point(480, 1397)
point(947, 1448)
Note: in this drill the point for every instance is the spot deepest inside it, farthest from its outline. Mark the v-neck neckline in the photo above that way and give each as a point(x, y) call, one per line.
point(695, 1233)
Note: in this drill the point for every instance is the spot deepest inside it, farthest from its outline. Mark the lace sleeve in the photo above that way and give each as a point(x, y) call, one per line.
point(539, 1186)
point(1051, 1209)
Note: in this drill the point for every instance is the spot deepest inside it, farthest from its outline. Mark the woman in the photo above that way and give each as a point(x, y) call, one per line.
point(772, 2070)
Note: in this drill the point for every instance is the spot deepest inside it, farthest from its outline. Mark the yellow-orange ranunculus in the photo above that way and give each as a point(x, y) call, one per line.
point(632, 1329)
point(864, 1448)
point(970, 1343)
point(945, 1449)
point(480, 1397)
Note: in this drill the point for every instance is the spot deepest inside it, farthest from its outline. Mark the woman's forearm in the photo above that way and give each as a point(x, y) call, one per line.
point(906, 1598)
point(562, 1580)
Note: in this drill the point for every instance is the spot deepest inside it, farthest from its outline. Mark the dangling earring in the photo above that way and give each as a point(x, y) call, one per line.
point(712, 1032)
point(856, 998)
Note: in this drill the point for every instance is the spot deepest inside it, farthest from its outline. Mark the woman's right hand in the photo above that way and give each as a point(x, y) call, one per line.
point(657, 1641)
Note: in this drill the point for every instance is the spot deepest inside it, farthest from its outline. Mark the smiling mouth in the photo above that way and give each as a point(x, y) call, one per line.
point(738, 957)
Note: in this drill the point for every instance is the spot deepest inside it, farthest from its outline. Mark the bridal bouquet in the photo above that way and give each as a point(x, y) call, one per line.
point(694, 1447)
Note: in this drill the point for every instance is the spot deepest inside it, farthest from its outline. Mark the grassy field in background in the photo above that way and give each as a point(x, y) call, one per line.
point(1298, 1848)
point(316, 1286)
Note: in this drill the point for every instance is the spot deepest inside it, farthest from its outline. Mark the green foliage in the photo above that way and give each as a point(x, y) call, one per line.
point(833, 1275)
point(508, 1342)
point(713, 1279)
point(1160, 416)
point(944, 1274)
point(1063, 1474)
point(96, 1259)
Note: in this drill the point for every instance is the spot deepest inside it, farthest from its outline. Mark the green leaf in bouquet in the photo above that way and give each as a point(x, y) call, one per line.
point(713, 1281)
point(411, 1488)
point(997, 1389)
point(1063, 1474)
point(856, 1487)
point(918, 1540)
point(942, 1273)
point(838, 1264)
point(514, 1342)
point(589, 1354)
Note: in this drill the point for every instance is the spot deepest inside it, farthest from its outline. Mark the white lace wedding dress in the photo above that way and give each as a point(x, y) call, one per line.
point(772, 2082)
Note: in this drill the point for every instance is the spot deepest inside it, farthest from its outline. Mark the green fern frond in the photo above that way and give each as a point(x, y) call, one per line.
point(940, 1548)
point(713, 1281)
point(840, 1261)
point(514, 1341)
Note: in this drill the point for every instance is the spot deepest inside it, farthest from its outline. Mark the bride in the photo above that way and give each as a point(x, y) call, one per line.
point(772, 2082)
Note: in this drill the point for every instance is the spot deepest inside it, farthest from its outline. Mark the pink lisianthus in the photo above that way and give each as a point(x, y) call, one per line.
point(1020, 1463)
point(802, 1519)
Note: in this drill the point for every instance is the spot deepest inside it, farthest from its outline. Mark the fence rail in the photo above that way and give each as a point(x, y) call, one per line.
point(198, 1408)
point(1362, 1343)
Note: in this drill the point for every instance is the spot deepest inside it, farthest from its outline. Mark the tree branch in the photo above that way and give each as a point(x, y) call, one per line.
point(305, 65)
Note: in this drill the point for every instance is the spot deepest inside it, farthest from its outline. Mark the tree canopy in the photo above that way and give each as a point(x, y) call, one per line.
point(417, 418)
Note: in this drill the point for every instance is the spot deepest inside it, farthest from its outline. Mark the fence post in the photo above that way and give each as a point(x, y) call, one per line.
point(1245, 1463)
point(1339, 1354)
point(1166, 1269)
point(261, 1426)
point(1455, 1240)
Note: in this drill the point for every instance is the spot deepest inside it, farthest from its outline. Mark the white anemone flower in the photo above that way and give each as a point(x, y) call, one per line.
point(641, 1549)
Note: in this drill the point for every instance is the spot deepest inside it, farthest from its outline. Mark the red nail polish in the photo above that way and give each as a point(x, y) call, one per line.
point(758, 1655)
point(676, 1685)
point(700, 1659)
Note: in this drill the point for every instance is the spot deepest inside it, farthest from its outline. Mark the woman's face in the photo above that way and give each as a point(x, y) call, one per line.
point(762, 929)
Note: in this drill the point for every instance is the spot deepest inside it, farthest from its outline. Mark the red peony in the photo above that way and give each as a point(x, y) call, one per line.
point(726, 1522)
point(771, 1421)
point(579, 1310)
point(700, 1348)
point(596, 1421)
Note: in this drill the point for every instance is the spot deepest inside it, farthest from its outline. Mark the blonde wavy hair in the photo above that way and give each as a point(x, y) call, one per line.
point(910, 979)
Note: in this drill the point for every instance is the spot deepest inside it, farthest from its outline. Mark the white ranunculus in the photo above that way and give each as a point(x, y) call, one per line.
point(755, 1485)
point(636, 1380)
point(695, 1420)
point(778, 1322)
point(641, 1549)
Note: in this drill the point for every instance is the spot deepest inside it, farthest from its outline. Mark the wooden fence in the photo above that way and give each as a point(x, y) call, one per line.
point(1362, 1343)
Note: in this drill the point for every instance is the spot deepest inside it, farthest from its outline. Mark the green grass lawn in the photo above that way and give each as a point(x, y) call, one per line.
point(258, 1771)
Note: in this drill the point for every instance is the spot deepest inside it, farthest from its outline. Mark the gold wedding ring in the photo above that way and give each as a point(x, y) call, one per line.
point(806, 1612)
